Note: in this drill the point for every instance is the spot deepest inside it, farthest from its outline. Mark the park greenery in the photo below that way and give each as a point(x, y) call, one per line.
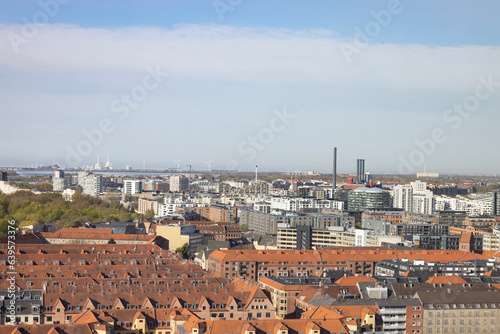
point(183, 250)
point(27, 208)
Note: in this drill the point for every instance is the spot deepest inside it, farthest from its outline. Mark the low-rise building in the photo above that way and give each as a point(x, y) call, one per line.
point(179, 234)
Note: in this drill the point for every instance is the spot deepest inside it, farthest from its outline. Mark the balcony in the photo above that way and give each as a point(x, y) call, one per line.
point(395, 326)
point(393, 319)
point(393, 311)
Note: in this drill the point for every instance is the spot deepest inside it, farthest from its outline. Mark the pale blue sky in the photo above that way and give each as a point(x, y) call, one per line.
point(230, 73)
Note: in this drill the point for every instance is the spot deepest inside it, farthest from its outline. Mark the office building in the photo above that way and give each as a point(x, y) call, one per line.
point(365, 198)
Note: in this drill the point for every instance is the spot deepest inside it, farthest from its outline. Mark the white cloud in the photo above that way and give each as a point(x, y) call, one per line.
point(227, 71)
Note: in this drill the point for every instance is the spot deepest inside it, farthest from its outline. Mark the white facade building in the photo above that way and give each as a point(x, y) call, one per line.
point(473, 207)
point(403, 197)
point(92, 185)
point(297, 204)
point(131, 187)
point(414, 197)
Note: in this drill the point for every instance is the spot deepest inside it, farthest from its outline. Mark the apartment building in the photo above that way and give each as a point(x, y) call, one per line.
point(92, 184)
point(491, 241)
point(219, 232)
point(419, 229)
point(484, 222)
point(75, 235)
point(452, 218)
point(215, 213)
point(395, 216)
point(266, 223)
point(401, 316)
point(132, 187)
point(61, 284)
point(26, 304)
point(253, 264)
point(456, 310)
point(145, 204)
point(179, 183)
point(305, 237)
point(301, 203)
point(289, 292)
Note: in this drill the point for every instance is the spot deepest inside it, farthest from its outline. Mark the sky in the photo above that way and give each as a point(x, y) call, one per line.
point(409, 86)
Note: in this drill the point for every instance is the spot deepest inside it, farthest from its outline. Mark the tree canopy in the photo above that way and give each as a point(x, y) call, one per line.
point(27, 208)
point(183, 250)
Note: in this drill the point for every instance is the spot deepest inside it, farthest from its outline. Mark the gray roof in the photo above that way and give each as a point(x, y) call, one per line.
point(395, 302)
point(402, 290)
point(461, 298)
point(307, 280)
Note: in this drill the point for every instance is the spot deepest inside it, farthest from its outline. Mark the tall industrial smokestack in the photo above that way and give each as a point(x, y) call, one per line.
point(256, 167)
point(358, 171)
point(362, 170)
point(334, 185)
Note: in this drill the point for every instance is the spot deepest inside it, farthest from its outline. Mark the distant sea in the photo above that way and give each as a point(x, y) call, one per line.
point(23, 173)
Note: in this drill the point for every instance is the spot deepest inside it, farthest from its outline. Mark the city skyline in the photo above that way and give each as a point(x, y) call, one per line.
point(252, 83)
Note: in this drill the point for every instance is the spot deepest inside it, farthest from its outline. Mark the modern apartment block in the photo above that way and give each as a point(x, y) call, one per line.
point(419, 229)
point(179, 183)
point(92, 184)
point(58, 181)
point(305, 237)
point(452, 218)
point(402, 196)
point(145, 204)
point(132, 187)
point(300, 203)
point(401, 316)
point(266, 223)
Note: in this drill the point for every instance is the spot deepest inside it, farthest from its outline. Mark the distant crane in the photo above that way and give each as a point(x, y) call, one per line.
point(178, 164)
point(209, 165)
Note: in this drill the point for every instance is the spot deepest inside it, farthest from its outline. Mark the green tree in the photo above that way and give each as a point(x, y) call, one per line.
point(4, 207)
point(112, 241)
point(149, 214)
point(183, 250)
